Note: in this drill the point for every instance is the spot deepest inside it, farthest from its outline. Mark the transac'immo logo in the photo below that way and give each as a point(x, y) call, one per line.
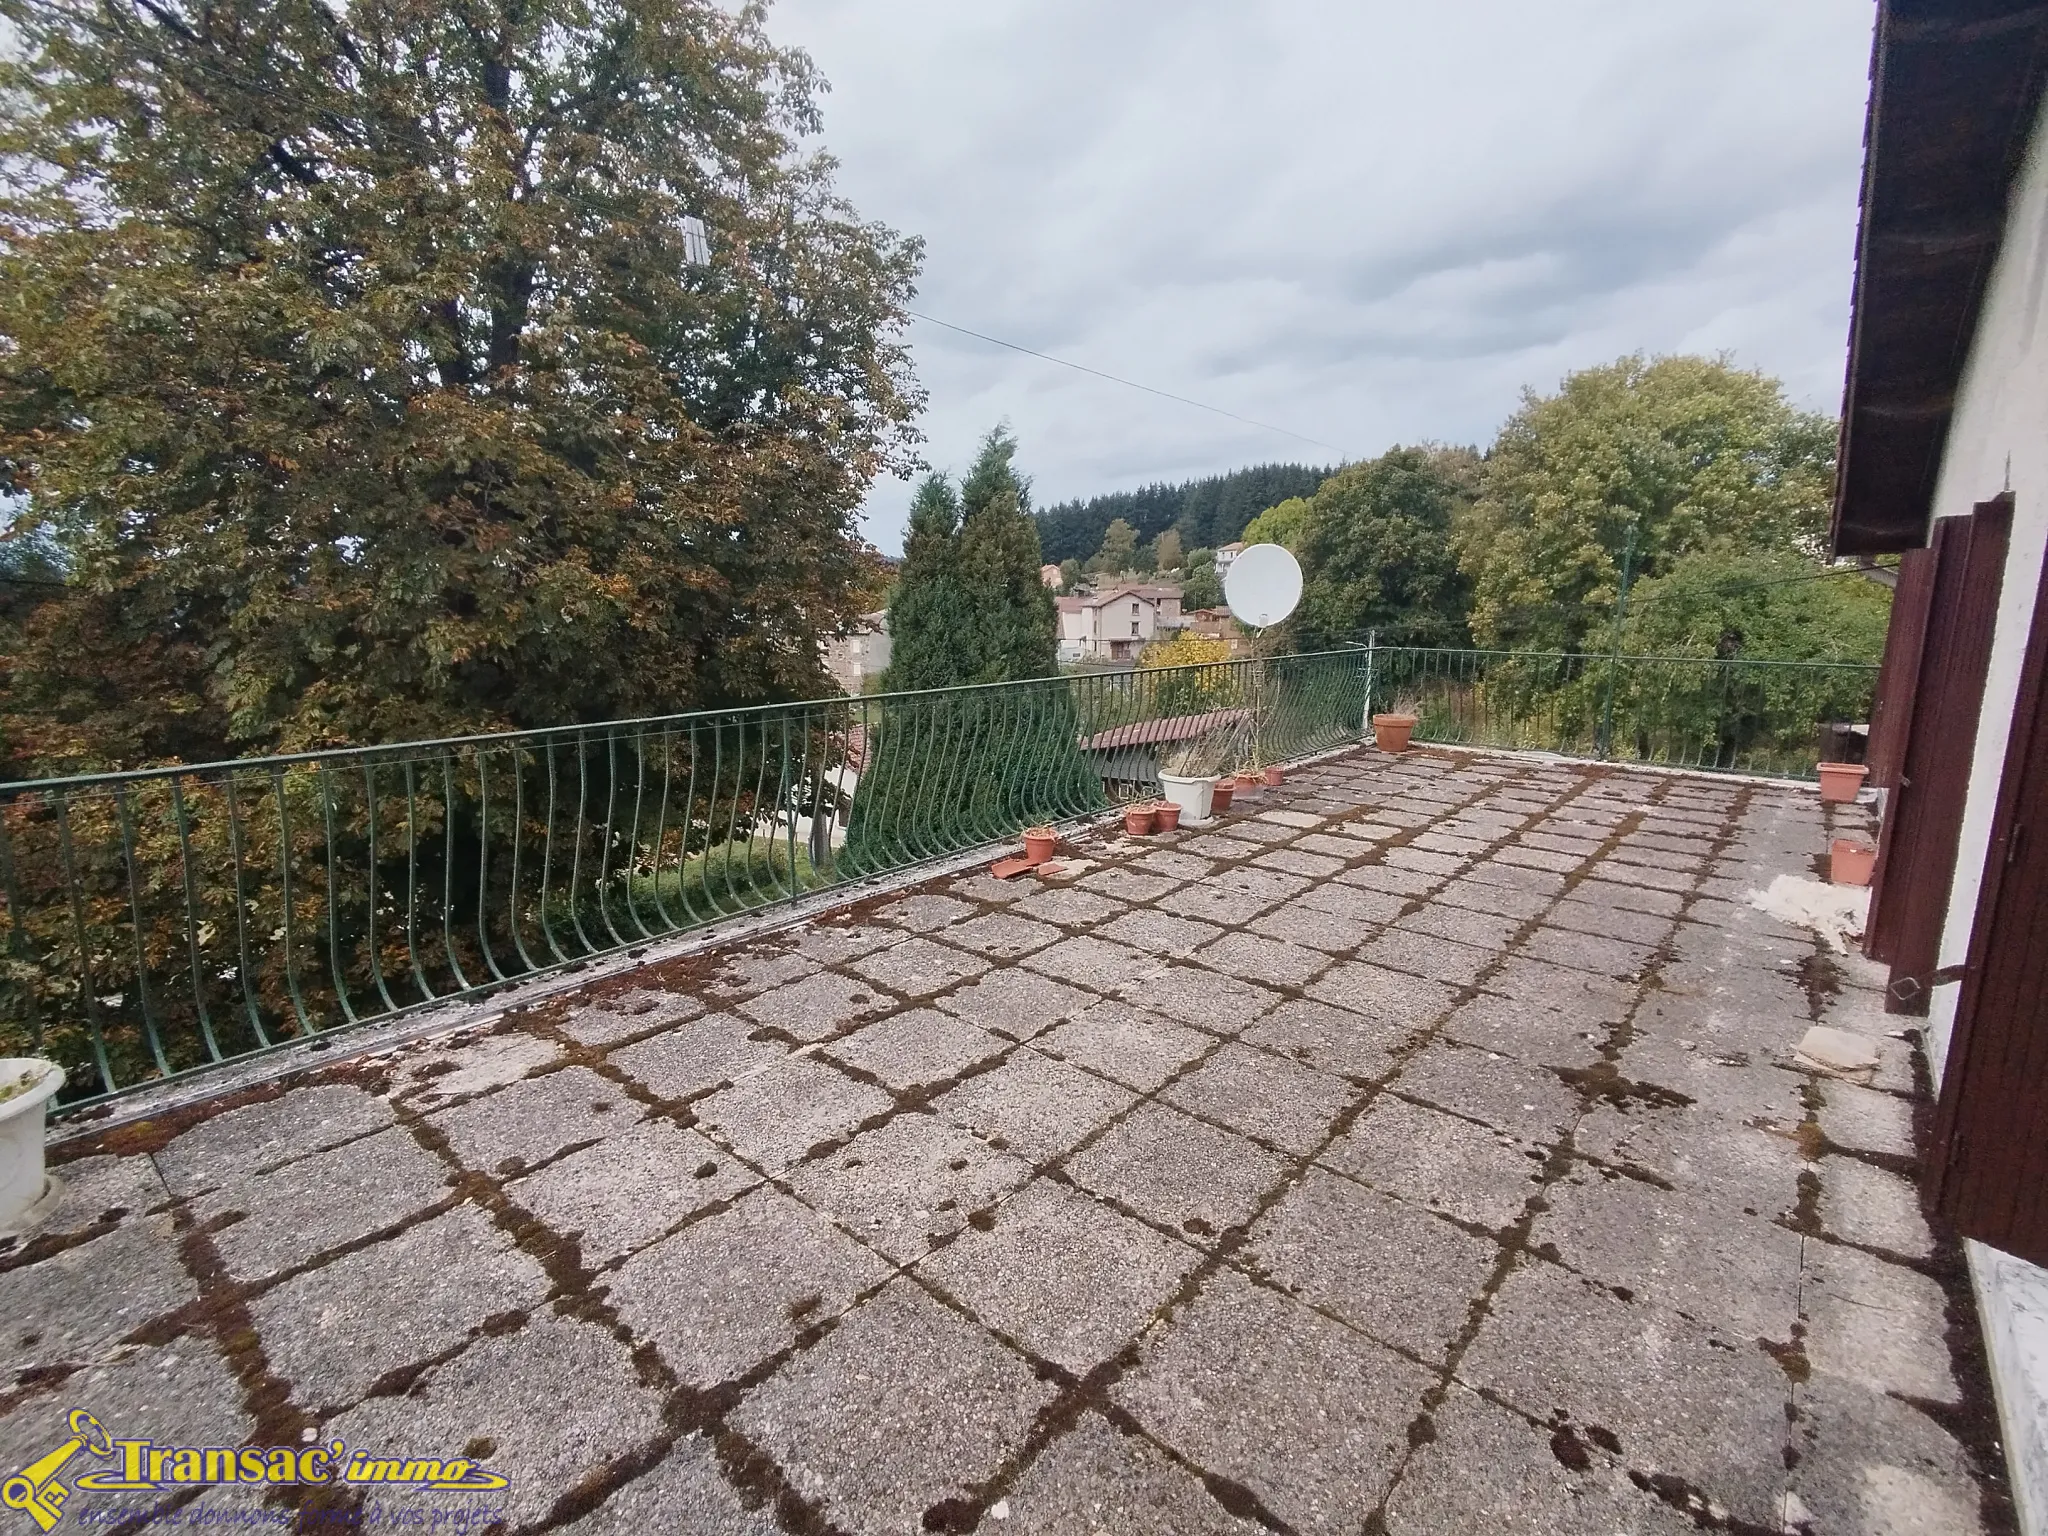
point(138, 1466)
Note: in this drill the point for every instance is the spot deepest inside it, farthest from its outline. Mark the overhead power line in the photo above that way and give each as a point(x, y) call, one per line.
point(997, 341)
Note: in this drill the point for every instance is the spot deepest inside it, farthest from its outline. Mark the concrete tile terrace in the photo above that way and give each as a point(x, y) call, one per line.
point(1420, 1149)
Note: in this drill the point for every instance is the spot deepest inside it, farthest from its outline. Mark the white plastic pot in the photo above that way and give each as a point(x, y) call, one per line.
point(22, 1119)
point(1190, 794)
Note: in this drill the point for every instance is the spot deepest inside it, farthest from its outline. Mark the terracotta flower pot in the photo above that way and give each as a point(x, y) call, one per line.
point(1840, 782)
point(1219, 797)
point(1250, 786)
point(1275, 776)
point(1850, 861)
point(1390, 733)
point(1165, 815)
point(1138, 819)
point(1038, 843)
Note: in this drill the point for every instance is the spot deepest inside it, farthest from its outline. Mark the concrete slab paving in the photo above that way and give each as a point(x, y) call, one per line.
point(698, 1056)
point(1470, 1171)
point(272, 1131)
point(903, 1410)
point(263, 1223)
point(334, 1332)
point(1178, 1171)
point(777, 1117)
point(76, 1305)
point(908, 1186)
point(1127, 1045)
point(1035, 1106)
point(1486, 1469)
point(1394, 1271)
point(1015, 1004)
point(1333, 1040)
point(1681, 1400)
point(1462, 1181)
point(1307, 1416)
point(596, 1410)
point(918, 1049)
point(525, 1123)
point(1062, 1275)
point(737, 1289)
point(1270, 1098)
point(1099, 1479)
point(685, 1491)
point(180, 1393)
point(624, 1192)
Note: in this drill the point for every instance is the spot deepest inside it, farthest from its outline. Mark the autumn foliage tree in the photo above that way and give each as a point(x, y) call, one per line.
point(368, 372)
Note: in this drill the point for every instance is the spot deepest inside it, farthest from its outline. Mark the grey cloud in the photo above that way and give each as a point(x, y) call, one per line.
point(1366, 222)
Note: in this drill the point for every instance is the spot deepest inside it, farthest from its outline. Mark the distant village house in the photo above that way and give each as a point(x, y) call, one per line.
point(1116, 624)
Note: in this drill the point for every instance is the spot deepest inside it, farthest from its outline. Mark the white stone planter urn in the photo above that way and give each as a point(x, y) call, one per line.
point(26, 1085)
point(1190, 794)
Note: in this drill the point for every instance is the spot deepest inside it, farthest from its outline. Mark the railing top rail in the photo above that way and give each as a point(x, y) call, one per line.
point(1719, 661)
point(397, 751)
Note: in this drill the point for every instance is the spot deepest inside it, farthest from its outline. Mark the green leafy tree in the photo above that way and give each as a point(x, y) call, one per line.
point(1723, 606)
point(1070, 575)
point(1680, 450)
point(1727, 602)
point(1119, 549)
point(1283, 524)
point(366, 365)
point(1202, 588)
point(1376, 550)
point(1166, 551)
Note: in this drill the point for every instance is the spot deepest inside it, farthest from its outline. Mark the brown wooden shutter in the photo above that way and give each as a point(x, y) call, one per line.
point(1898, 679)
point(1916, 858)
point(1990, 1166)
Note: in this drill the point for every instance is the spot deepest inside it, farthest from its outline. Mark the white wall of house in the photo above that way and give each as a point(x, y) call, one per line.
point(1998, 440)
point(1117, 625)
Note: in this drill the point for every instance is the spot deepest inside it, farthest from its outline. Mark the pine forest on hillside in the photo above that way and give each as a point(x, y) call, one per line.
point(1205, 512)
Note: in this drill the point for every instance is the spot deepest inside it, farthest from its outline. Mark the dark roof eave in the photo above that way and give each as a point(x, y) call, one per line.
point(1955, 85)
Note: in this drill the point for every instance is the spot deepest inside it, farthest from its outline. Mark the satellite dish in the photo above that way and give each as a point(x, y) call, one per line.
point(1262, 585)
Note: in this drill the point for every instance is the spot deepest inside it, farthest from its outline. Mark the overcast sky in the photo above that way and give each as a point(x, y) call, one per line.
point(1369, 222)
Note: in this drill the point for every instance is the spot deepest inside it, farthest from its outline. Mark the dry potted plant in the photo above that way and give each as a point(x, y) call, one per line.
point(1039, 843)
point(1138, 818)
point(1187, 774)
point(1165, 815)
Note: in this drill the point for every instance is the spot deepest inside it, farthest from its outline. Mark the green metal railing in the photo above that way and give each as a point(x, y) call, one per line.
point(161, 922)
point(1709, 713)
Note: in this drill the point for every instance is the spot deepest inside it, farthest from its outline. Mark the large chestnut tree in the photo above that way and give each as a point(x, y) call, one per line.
point(364, 378)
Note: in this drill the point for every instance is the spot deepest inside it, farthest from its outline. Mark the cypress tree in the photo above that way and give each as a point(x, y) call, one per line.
point(999, 562)
point(931, 622)
point(958, 769)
